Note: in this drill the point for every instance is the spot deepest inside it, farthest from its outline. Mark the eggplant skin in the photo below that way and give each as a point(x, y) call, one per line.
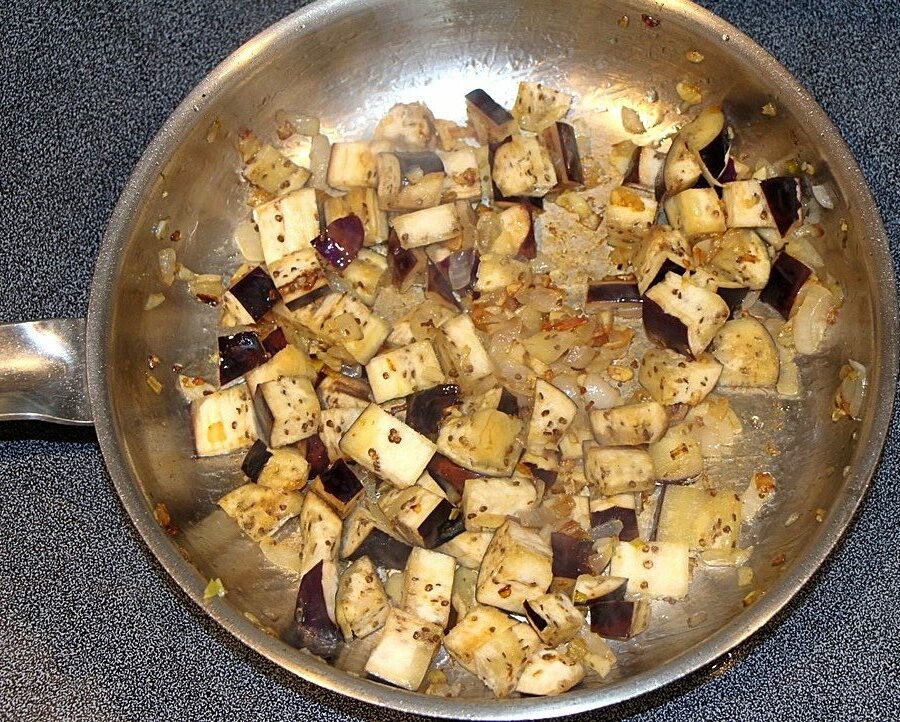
point(425, 410)
point(256, 459)
point(316, 455)
point(312, 628)
point(238, 354)
point(783, 196)
point(448, 473)
point(614, 619)
point(628, 517)
point(663, 328)
point(614, 290)
point(256, 293)
point(403, 265)
point(341, 241)
point(785, 281)
point(341, 482)
point(382, 549)
point(734, 297)
point(438, 527)
point(275, 341)
point(488, 107)
point(570, 555)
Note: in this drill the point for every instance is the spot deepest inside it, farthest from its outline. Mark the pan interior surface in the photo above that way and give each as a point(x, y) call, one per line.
point(347, 63)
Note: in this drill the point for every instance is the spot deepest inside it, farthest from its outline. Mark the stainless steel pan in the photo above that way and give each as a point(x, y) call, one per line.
point(347, 62)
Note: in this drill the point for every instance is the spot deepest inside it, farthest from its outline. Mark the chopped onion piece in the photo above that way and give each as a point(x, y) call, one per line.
point(153, 300)
point(848, 400)
point(167, 263)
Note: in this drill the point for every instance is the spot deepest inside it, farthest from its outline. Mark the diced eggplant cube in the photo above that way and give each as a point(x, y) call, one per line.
point(659, 252)
point(364, 276)
point(425, 410)
point(463, 354)
point(487, 502)
point(410, 125)
point(516, 237)
point(592, 589)
point(629, 425)
point(670, 378)
point(364, 538)
point(255, 460)
point(327, 320)
point(223, 421)
point(740, 258)
point(314, 628)
point(630, 213)
point(491, 121)
point(682, 168)
point(486, 442)
point(682, 315)
point(404, 651)
point(266, 168)
point(551, 416)
point(783, 198)
point(288, 224)
point(340, 391)
point(420, 516)
point(300, 278)
point(287, 410)
point(538, 106)
point(646, 170)
point(289, 361)
point(283, 469)
point(361, 606)
point(321, 530)
point(352, 165)
point(696, 212)
point(554, 618)
point(559, 138)
point(621, 508)
point(316, 455)
point(404, 371)
point(745, 205)
point(517, 566)
point(473, 631)
point(549, 672)
point(406, 267)
point(499, 662)
point(468, 548)
point(462, 180)
point(341, 241)
point(656, 569)
point(238, 354)
point(260, 511)
point(496, 271)
point(339, 487)
point(570, 555)
point(616, 293)
point(427, 585)
point(522, 167)
point(620, 619)
point(387, 447)
point(449, 475)
point(677, 455)
point(747, 353)
point(785, 281)
point(427, 226)
point(619, 470)
point(701, 518)
point(251, 297)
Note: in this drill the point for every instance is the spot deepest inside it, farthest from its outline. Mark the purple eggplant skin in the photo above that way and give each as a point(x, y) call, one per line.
point(663, 329)
point(729, 172)
point(448, 474)
point(733, 297)
point(275, 341)
point(265, 419)
point(426, 161)
point(613, 290)
point(312, 628)
point(308, 298)
point(785, 281)
point(559, 139)
point(405, 265)
point(468, 259)
point(239, 353)
point(614, 619)
point(668, 266)
point(426, 409)
point(488, 107)
point(341, 241)
point(509, 403)
point(570, 555)
point(353, 371)
point(316, 454)
point(256, 292)
point(255, 460)
point(439, 524)
point(383, 550)
point(438, 287)
point(548, 477)
point(783, 197)
point(715, 156)
point(537, 621)
point(528, 250)
point(628, 517)
point(340, 482)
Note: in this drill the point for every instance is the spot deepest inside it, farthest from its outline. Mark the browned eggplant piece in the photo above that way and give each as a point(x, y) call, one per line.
point(312, 628)
point(785, 281)
point(339, 487)
point(645, 170)
point(419, 164)
point(509, 403)
point(332, 388)
point(491, 120)
point(546, 475)
point(256, 459)
point(734, 297)
point(383, 549)
point(628, 517)
point(559, 139)
point(426, 409)
point(316, 454)
point(615, 291)
point(256, 293)
point(406, 266)
point(783, 197)
point(438, 288)
point(501, 201)
point(664, 329)
point(668, 266)
point(598, 590)
point(716, 155)
point(449, 475)
point(341, 241)
point(570, 555)
point(274, 341)
point(619, 619)
point(441, 525)
point(238, 354)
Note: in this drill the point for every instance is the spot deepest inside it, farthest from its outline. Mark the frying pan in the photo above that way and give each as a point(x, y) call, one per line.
point(347, 63)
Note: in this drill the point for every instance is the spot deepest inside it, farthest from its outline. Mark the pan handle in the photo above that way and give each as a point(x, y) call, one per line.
point(42, 372)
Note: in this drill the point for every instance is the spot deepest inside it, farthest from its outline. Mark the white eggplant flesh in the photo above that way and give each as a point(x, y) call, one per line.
point(299, 277)
point(287, 224)
point(498, 271)
point(499, 662)
point(288, 409)
point(268, 169)
point(289, 361)
point(660, 244)
point(462, 179)
point(551, 416)
point(321, 528)
point(487, 502)
point(549, 672)
point(630, 212)
point(696, 212)
point(223, 421)
point(427, 226)
point(747, 353)
point(677, 456)
point(321, 318)
point(407, 125)
point(260, 511)
point(703, 519)
point(464, 355)
point(468, 548)
point(670, 378)
point(522, 167)
point(538, 106)
point(740, 259)
point(404, 371)
point(745, 205)
point(427, 585)
point(619, 470)
point(655, 569)
point(361, 606)
point(352, 165)
point(630, 425)
point(487, 442)
point(517, 566)
point(333, 424)
point(405, 650)
point(364, 275)
point(554, 617)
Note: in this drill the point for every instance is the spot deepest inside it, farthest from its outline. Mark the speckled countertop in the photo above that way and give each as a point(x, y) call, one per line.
point(92, 628)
